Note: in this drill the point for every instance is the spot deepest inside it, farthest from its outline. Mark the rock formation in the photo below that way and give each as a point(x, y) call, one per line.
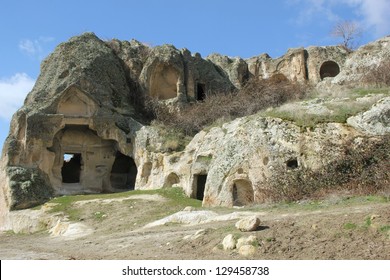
point(78, 131)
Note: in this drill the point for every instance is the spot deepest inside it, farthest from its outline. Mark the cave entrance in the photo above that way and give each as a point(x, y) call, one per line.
point(329, 69)
point(200, 92)
point(200, 183)
point(242, 193)
point(71, 168)
point(171, 180)
point(292, 163)
point(123, 172)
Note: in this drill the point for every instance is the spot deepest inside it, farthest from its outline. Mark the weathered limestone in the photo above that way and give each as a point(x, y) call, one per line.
point(301, 65)
point(236, 69)
point(77, 132)
point(229, 242)
point(359, 62)
point(248, 224)
point(375, 121)
point(250, 240)
point(247, 250)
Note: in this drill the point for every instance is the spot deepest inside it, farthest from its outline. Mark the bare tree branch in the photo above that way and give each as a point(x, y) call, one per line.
point(349, 32)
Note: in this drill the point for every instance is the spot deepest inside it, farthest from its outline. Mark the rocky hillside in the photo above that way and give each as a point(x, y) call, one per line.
point(81, 129)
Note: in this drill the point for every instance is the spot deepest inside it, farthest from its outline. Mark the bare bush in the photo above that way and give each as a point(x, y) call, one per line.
point(361, 171)
point(255, 96)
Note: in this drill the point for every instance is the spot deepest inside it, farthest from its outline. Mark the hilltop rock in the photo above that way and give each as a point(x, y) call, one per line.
point(236, 69)
point(301, 65)
point(361, 61)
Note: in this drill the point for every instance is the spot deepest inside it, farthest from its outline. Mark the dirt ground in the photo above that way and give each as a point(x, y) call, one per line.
point(358, 229)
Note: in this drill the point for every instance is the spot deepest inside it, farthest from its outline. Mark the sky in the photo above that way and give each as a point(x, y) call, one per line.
point(31, 29)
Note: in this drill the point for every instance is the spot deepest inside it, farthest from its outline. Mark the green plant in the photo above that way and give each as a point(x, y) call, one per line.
point(385, 228)
point(350, 226)
point(361, 92)
point(270, 239)
point(99, 215)
point(367, 222)
point(176, 201)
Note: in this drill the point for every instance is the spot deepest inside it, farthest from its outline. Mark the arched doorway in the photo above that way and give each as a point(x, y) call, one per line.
point(329, 69)
point(171, 180)
point(242, 192)
point(123, 172)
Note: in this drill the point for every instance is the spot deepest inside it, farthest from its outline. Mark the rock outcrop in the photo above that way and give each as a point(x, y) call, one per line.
point(361, 61)
point(302, 65)
point(78, 131)
point(375, 121)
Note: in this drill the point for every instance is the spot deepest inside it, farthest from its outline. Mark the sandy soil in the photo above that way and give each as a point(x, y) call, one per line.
point(339, 231)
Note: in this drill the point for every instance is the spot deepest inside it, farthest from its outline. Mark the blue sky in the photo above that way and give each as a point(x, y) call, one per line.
point(30, 30)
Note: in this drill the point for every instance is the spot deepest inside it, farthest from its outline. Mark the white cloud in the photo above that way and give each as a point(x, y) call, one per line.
point(375, 14)
point(34, 48)
point(311, 9)
point(30, 47)
point(13, 91)
point(371, 14)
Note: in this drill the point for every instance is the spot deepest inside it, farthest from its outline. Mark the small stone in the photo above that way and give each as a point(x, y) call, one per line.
point(247, 250)
point(374, 216)
point(189, 209)
point(250, 240)
point(248, 224)
point(229, 242)
point(196, 235)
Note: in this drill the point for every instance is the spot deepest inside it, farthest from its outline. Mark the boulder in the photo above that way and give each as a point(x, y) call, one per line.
point(248, 224)
point(247, 250)
point(250, 240)
point(229, 242)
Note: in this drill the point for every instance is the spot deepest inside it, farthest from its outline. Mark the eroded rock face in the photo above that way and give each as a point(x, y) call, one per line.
point(233, 165)
point(361, 61)
point(77, 131)
point(75, 109)
point(300, 65)
point(375, 121)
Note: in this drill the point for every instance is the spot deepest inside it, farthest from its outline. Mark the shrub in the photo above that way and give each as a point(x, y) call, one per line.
point(253, 97)
point(360, 171)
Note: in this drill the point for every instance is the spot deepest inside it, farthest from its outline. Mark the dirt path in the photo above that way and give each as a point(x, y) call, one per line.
point(358, 231)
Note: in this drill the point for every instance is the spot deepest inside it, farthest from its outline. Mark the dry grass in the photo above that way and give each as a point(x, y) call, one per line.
point(255, 96)
point(361, 171)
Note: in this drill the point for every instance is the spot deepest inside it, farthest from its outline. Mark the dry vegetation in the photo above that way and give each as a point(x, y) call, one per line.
point(361, 171)
point(256, 95)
